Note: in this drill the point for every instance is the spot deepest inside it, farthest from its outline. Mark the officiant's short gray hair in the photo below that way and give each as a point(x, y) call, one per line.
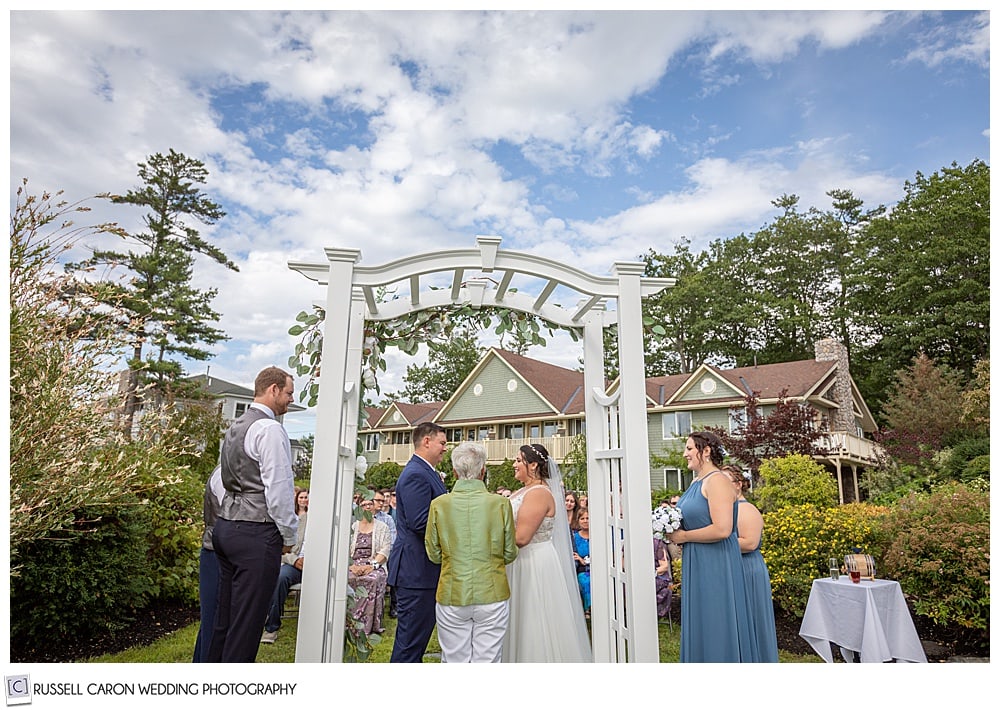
point(468, 459)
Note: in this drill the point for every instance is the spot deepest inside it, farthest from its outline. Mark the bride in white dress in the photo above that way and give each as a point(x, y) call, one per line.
point(546, 614)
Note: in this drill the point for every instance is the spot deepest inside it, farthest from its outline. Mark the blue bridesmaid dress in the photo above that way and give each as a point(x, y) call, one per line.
point(716, 626)
point(758, 583)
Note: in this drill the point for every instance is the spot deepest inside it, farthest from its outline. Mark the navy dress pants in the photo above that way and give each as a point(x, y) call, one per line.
point(249, 560)
point(414, 624)
point(208, 596)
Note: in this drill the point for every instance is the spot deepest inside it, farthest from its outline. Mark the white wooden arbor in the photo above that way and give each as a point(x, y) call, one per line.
point(623, 609)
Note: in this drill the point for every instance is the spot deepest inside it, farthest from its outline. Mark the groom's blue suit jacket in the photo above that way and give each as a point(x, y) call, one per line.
point(409, 567)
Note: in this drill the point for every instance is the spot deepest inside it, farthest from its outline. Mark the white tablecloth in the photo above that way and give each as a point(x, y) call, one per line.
point(870, 617)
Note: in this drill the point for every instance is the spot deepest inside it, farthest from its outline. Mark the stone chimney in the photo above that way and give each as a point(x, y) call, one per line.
point(842, 418)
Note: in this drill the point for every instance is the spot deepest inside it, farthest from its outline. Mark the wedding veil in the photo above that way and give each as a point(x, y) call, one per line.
point(562, 539)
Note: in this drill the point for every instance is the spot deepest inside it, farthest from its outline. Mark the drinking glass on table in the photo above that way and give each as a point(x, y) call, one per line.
point(854, 570)
point(834, 568)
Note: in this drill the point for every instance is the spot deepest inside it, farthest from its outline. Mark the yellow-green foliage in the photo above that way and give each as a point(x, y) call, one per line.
point(937, 546)
point(794, 480)
point(799, 539)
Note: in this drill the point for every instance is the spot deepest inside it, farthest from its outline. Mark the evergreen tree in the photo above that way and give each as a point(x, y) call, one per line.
point(165, 312)
point(922, 411)
point(927, 285)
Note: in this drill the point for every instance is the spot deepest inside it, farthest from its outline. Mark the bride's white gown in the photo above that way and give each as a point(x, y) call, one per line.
point(546, 615)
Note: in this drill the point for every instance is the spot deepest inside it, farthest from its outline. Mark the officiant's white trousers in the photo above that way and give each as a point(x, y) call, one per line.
point(472, 634)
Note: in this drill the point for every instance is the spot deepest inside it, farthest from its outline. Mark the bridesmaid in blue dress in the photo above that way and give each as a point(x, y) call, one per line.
point(716, 626)
point(749, 531)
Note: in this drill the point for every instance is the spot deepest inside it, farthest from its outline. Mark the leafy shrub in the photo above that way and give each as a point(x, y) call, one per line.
point(81, 581)
point(794, 480)
point(172, 511)
point(937, 548)
point(799, 539)
point(977, 469)
point(662, 494)
point(501, 475)
point(383, 475)
point(962, 454)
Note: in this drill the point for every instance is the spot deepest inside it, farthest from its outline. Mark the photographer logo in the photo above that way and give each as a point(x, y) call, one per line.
point(18, 689)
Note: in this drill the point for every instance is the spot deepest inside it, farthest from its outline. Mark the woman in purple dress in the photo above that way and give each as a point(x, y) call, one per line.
point(371, 543)
point(664, 578)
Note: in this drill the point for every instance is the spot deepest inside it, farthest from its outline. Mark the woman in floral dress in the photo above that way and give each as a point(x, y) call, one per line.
point(371, 542)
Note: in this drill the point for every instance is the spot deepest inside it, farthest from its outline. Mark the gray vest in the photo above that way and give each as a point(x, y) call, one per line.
point(244, 498)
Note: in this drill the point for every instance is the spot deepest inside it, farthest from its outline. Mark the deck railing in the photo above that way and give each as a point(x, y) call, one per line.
point(497, 450)
point(851, 447)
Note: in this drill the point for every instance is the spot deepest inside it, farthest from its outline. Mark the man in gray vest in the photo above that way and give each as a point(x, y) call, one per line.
point(257, 521)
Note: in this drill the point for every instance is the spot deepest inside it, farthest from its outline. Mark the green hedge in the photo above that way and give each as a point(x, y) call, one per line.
point(83, 581)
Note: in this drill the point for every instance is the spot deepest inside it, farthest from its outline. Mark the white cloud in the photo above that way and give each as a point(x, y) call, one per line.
point(398, 133)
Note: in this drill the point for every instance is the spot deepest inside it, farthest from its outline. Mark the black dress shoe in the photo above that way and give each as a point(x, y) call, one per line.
point(392, 613)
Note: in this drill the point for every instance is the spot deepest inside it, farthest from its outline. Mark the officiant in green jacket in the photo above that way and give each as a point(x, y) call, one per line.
point(470, 533)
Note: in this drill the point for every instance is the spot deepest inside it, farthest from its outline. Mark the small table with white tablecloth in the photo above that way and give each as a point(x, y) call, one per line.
point(870, 617)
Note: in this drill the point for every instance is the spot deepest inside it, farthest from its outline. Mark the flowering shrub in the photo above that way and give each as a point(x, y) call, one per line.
point(798, 540)
point(937, 546)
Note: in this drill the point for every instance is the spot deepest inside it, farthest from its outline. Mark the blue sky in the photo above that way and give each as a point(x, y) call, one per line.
point(590, 137)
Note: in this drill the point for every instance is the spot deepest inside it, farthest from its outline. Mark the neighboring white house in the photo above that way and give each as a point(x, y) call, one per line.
point(233, 401)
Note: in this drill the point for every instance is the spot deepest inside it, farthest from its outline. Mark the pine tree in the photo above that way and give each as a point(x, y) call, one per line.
point(165, 312)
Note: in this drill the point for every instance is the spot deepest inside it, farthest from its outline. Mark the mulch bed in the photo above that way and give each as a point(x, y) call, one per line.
point(149, 625)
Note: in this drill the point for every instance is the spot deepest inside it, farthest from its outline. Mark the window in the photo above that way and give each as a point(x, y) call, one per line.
point(453, 434)
point(241, 409)
point(550, 428)
point(676, 425)
point(534, 431)
point(738, 418)
point(672, 478)
point(484, 433)
point(372, 441)
point(513, 431)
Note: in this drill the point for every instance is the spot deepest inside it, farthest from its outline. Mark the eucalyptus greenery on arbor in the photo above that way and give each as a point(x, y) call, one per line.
point(436, 328)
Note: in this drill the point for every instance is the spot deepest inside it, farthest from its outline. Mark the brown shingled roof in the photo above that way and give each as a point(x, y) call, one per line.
point(798, 377)
point(420, 412)
point(660, 389)
point(561, 387)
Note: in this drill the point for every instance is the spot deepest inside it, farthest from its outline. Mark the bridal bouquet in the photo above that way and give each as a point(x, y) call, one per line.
point(665, 521)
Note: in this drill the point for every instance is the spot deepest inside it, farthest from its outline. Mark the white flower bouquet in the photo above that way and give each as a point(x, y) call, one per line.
point(665, 521)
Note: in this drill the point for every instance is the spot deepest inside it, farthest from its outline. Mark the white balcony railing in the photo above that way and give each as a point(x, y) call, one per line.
point(841, 445)
point(497, 450)
point(850, 447)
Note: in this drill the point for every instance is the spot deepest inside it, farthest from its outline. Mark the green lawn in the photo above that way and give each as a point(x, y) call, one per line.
point(177, 647)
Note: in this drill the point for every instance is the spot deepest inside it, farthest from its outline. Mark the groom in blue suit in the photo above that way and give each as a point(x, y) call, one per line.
point(411, 573)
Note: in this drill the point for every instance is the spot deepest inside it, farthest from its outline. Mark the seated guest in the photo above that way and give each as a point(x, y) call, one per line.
point(664, 578)
point(379, 512)
point(581, 555)
point(290, 573)
point(370, 546)
point(572, 510)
